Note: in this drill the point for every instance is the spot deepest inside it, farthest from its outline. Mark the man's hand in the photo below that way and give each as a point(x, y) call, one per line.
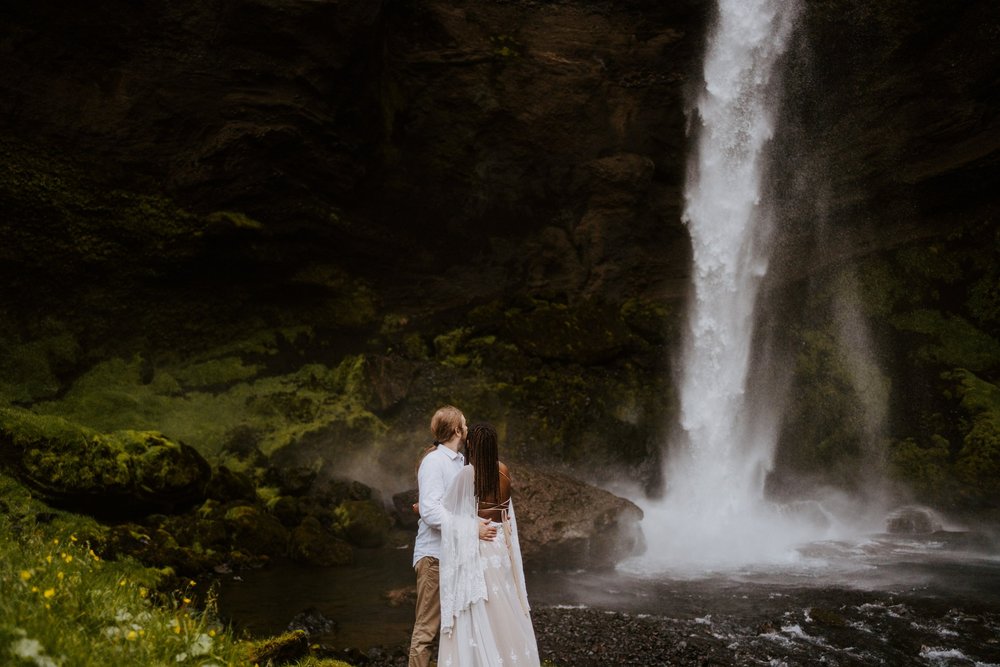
point(486, 531)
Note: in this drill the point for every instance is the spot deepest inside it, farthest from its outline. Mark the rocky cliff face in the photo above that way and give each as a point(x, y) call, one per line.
point(477, 202)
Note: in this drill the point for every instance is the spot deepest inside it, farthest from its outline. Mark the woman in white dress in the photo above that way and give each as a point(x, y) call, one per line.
point(485, 620)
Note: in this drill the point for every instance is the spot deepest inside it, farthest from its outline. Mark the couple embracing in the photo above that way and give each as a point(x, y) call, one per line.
point(470, 581)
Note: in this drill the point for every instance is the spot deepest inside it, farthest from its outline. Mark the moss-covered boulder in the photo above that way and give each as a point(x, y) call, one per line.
point(311, 543)
point(363, 523)
point(118, 473)
point(284, 648)
point(230, 484)
point(256, 531)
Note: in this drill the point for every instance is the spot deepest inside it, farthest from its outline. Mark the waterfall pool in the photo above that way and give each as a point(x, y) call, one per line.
point(930, 599)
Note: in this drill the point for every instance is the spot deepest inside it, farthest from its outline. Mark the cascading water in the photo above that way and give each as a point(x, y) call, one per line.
point(714, 512)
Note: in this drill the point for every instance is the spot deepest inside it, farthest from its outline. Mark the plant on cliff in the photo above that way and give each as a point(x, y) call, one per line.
point(204, 401)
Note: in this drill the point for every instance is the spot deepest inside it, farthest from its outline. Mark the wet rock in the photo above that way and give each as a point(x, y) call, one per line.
point(123, 473)
point(291, 481)
point(566, 523)
point(912, 520)
point(312, 621)
point(389, 377)
point(363, 523)
point(256, 531)
point(283, 648)
point(311, 543)
point(229, 485)
point(403, 503)
point(289, 511)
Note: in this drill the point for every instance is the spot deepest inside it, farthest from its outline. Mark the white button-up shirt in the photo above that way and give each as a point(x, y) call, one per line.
point(437, 471)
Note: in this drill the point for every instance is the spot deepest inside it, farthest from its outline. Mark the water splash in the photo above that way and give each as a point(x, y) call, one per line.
point(714, 513)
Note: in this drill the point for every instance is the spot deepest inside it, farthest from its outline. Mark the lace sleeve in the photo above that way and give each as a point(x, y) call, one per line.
point(462, 581)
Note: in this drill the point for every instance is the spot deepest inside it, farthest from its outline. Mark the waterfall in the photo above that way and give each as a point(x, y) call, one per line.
point(714, 511)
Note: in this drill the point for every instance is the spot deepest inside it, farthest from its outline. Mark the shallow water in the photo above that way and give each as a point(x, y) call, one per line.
point(928, 600)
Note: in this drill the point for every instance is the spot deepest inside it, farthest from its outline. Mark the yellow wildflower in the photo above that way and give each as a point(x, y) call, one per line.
point(187, 600)
point(192, 583)
point(48, 559)
point(73, 537)
point(25, 575)
point(49, 592)
point(177, 628)
point(67, 558)
point(122, 582)
point(143, 591)
point(131, 636)
point(55, 541)
point(60, 575)
point(211, 633)
point(94, 556)
point(34, 589)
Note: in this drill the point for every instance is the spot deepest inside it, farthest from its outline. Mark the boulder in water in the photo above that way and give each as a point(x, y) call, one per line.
point(912, 520)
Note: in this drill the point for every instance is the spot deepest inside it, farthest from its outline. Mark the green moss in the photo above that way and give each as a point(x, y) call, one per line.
point(280, 649)
point(505, 46)
point(978, 463)
point(833, 404)
point(66, 461)
point(952, 340)
point(447, 344)
point(281, 409)
point(233, 219)
point(363, 523)
point(414, 347)
point(28, 370)
point(926, 469)
point(226, 370)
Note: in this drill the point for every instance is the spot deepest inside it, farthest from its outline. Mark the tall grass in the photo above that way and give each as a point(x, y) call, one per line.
point(61, 605)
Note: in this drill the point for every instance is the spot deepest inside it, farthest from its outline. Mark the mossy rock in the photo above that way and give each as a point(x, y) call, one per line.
point(586, 333)
point(311, 543)
point(363, 523)
point(119, 473)
point(280, 649)
point(228, 484)
point(255, 531)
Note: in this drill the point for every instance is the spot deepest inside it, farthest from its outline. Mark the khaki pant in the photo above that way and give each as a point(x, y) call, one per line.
point(428, 617)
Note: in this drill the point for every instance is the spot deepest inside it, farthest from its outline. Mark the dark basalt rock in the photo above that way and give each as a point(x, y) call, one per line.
point(311, 543)
point(312, 621)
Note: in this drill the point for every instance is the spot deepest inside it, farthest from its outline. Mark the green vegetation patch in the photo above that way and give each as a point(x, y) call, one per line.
point(178, 401)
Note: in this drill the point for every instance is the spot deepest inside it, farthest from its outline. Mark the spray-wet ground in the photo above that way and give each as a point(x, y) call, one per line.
point(931, 600)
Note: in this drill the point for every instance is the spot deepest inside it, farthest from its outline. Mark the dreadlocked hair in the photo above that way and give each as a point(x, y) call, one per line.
point(481, 445)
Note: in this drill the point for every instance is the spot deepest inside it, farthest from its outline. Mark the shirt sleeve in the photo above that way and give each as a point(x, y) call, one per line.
point(430, 482)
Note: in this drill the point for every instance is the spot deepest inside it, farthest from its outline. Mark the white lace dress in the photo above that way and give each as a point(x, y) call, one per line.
point(485, 618)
